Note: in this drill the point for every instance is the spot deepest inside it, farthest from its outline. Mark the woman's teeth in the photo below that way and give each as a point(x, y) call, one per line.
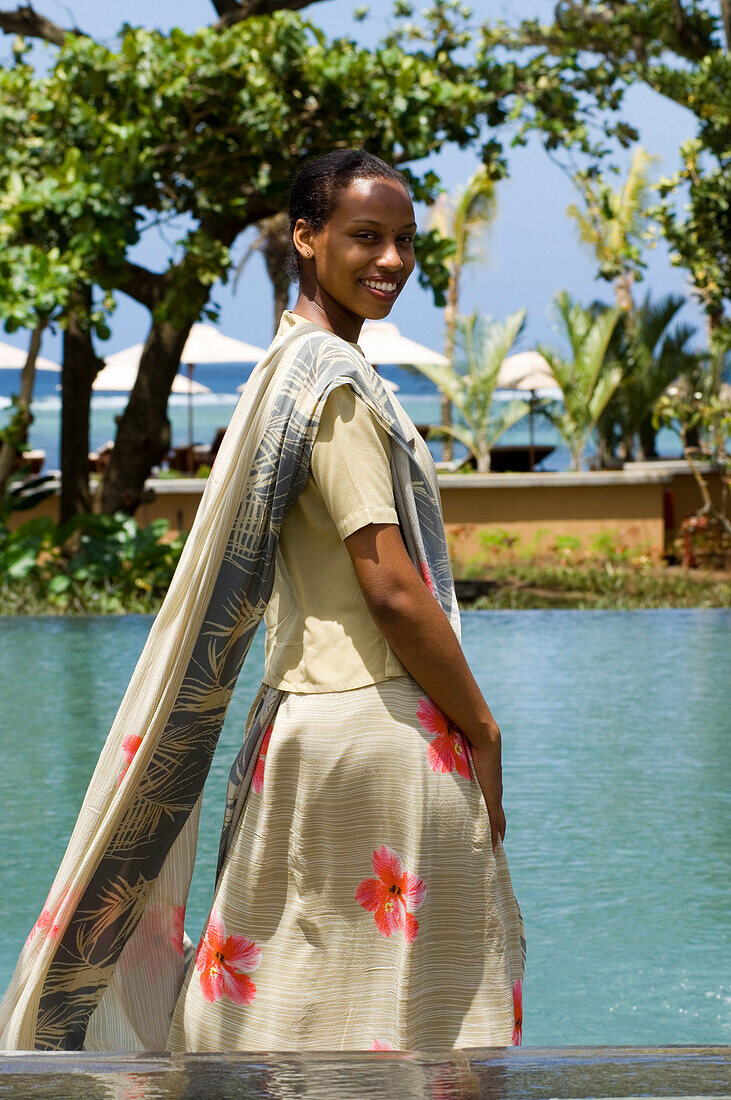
point(377, 284)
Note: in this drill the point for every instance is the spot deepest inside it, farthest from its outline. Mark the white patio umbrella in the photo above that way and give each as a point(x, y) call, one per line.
point(14, 359)
point(205, 344)
point(382, 342)
point(120, 373)
point(528, 370)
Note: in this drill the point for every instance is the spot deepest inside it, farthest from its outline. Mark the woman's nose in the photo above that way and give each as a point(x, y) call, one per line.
point(391, 257)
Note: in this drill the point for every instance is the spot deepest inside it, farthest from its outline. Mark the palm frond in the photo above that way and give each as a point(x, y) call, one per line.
point(509, 415)
point(633, 194)
point(594, 348)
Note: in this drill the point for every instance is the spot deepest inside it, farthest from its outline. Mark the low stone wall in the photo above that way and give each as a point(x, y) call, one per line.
point(641, 506)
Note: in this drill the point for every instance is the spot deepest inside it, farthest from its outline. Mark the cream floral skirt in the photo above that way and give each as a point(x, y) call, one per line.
point(360, 906)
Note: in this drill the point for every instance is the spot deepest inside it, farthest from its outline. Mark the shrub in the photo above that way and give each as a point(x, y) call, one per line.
point(87, 559)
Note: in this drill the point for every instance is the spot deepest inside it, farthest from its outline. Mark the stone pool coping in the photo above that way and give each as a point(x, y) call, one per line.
point(527, 1073)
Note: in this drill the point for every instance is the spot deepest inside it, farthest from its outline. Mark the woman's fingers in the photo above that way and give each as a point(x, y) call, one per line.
point(489, 775)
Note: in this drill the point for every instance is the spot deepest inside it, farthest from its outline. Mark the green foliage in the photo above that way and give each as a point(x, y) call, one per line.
point(613, 222)
point(654, 353)
point(470, 383)
point(679, 51)
point(108, 555)
point(22, 493)
point(433, 255)
point(464, 217)
point(209, 125)
point(588, 379)
point(602, 585)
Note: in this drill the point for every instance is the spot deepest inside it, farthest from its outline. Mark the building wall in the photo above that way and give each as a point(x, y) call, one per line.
point(642, 506)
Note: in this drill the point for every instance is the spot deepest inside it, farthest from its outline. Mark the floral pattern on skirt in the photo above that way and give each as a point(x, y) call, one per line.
point(352, 833)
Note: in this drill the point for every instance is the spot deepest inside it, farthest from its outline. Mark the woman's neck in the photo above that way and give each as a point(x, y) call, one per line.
point(329, 314)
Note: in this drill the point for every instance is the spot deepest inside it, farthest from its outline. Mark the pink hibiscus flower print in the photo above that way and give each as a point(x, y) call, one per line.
point(391, 895)
point(130, 745)
point(222, 961)
point(157, 943)
point(426, 576)
point(518, 1013)
point(448, 751)
point(381, 1044)
point(176, 939)
point(258, 780)
point(48, 923)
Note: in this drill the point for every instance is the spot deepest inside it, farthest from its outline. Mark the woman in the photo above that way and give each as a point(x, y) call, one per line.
point(363, 898)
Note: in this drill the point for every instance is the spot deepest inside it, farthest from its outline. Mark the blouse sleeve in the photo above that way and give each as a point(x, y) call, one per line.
point(351, 464)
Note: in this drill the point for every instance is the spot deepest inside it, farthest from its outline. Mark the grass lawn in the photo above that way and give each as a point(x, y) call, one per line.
point(598, 585)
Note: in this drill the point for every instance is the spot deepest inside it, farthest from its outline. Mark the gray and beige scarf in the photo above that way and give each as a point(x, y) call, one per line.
point(104, 963)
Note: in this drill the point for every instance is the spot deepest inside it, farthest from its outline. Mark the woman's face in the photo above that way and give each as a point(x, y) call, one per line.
point(364, 254)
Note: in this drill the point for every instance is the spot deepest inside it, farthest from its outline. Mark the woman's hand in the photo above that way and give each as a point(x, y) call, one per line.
point(488, 769)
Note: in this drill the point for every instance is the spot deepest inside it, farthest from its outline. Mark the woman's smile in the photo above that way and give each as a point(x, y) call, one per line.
point(385, 290)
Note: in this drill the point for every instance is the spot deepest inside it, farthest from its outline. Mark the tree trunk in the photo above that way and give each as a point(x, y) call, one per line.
point(603, 453)
point(281, 298)
point(450, 320)
point(718, 347)
point(277, 248)
point(143, 431)
point(22, 418)
point(647, 448)
point(80, 367)
point(483, 463)
point(726, 19)
point(627, 448)
point(623, 291)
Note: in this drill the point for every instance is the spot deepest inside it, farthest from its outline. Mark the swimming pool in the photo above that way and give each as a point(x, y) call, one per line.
point(616, 757)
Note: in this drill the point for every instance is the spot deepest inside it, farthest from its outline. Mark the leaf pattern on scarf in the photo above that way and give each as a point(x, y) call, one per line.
point(148, 814)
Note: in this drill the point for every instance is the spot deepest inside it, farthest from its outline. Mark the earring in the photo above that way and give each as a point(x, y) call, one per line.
point(308, 253)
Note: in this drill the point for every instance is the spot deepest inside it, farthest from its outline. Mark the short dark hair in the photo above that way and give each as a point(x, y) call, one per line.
point(318, 183)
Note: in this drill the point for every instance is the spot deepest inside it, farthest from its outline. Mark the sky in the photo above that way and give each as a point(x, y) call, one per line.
point(531, 251)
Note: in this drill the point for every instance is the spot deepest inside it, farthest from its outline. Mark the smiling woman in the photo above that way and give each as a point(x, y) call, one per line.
point(362, 879)
point(355, 254)
point(362, 773)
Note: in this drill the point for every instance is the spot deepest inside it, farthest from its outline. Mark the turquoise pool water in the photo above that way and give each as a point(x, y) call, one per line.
point(616, 765)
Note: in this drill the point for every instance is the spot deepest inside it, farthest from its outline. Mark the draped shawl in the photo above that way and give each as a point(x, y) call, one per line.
point(103, 966)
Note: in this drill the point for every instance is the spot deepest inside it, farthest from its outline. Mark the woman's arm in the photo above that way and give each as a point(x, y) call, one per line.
point(421, 636)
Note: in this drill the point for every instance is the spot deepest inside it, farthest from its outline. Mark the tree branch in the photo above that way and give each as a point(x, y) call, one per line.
point(231, 11)
point(224, 6)
point(726, 20)
point(146, 287)
point(30, 24)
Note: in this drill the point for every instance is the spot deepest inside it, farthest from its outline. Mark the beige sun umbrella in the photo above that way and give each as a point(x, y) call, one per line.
point(14, 359)
point(205, 344)
point(528, 370)
point(120, 373)
point(381, 342)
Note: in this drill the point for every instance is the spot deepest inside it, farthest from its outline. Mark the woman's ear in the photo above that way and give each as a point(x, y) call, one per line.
point(302, 238)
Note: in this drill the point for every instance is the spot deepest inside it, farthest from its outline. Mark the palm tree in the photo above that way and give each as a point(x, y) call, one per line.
point(464, 217)
point(612, 223)
point(587, 380)
point(654, 354)
point(275, 244)
point(469, 383)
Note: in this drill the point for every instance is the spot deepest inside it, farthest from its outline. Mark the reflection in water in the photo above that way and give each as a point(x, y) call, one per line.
point(168, 1085)
point(410, 1077)
point(669, 1072)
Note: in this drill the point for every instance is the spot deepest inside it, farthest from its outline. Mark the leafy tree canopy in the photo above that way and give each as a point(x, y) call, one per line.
point(680, 49)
